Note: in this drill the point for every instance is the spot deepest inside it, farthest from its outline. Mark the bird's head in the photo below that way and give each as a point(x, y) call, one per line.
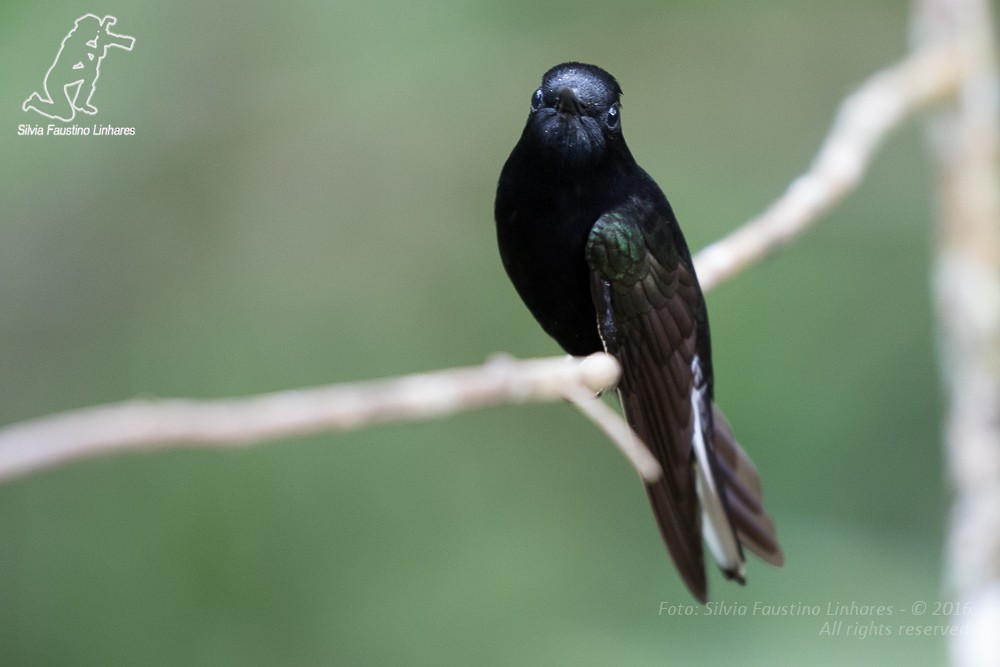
point(576, 114)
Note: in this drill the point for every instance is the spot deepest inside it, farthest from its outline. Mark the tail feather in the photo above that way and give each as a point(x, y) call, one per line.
point(744, 493)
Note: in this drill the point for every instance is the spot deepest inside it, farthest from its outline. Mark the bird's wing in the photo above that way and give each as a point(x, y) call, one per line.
point(647, 300)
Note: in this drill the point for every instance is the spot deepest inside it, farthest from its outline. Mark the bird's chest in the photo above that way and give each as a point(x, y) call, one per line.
point(542, 242)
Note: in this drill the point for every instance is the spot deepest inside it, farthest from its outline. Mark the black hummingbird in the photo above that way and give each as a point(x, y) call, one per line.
point(594, 250)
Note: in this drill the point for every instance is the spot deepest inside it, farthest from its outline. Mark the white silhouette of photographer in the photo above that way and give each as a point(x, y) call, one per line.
point(77, 68)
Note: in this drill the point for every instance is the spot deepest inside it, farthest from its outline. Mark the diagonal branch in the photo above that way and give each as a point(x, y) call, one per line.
point(862, 122)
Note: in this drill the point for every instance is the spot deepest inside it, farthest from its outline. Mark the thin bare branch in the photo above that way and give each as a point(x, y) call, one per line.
point(617, 430)
point(863, 120)
point(146, 425)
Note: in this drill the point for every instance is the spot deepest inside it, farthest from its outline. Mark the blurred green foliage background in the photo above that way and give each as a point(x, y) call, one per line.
point(308, 199)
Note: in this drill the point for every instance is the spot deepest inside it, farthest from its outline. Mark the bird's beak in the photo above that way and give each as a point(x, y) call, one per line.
point(568, 102)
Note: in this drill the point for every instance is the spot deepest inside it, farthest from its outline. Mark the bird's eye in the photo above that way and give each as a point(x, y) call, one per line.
point(614, 117)
point(536, 100)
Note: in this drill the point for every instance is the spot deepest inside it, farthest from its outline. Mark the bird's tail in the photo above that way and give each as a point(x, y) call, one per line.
point(744, 495)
